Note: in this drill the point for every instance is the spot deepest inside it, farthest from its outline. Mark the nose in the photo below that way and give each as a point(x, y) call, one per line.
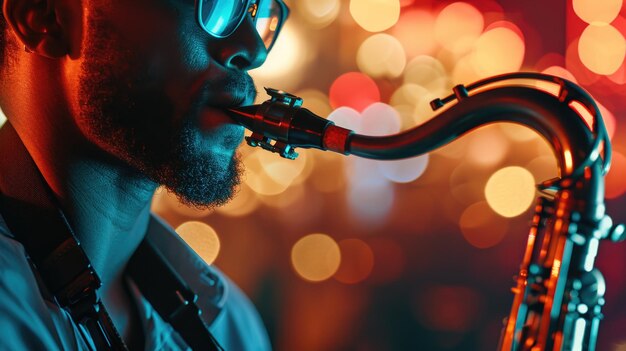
point(243, 50)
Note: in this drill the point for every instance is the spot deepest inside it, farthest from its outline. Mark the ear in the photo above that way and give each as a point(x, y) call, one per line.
point(36, 25)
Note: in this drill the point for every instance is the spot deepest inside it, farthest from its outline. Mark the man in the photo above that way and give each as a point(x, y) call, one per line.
point(112, 98)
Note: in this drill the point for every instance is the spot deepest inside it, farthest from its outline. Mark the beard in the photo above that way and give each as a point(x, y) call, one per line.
point(125, 112)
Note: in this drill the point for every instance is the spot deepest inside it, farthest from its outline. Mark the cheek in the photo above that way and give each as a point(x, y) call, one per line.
point(169, 46)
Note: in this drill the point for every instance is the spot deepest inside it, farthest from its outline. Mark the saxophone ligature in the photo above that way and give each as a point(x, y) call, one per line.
point(559, 293)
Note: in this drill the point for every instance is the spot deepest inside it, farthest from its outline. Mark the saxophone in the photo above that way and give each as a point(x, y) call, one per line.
point(559, 293)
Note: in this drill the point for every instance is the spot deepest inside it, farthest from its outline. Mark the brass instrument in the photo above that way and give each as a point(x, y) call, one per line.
point(559, 294)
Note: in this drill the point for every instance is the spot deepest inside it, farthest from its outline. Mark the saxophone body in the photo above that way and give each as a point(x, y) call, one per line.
point(558, 296)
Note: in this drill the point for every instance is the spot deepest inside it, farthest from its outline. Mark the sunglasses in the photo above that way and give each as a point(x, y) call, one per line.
point(220, 18)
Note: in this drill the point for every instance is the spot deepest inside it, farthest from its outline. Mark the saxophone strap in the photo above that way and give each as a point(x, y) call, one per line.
point(34, 217)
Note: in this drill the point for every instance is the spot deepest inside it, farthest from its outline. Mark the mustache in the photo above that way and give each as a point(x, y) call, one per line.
point(235, 89)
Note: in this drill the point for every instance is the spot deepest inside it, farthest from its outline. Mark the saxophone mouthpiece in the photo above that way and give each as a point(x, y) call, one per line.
point(280, 124)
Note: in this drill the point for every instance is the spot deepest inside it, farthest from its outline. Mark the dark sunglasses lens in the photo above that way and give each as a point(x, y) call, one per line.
point(268, 21)
point(219, 17)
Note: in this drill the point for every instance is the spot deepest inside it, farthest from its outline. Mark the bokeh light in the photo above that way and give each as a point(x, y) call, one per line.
point(428, 72)
point(316, 257)
point(458, 26)
point(592, 11)
point(499, 50)
point(284, 63)
point(481, 227)
point(370, 195)
point(510, 191)
point(269, 174)
point(355, 90)
point(610, 122)
point(412, 101)
point(381, 55)
point(487, 146)
point(242, 204)
point(346, 117)
point(316, 101)
point(518, 132)
point(404, 171)
point(380, 119)
point(602, 48)
point(464, 70)
point(558, 71)
point(202, 238)
point(357, 261)
point(607, 116)
point(319, 13)
point(543, 168)
point(416, 31)
point(575, 65)
point(165, 201)
point(615, 184)
point(375, 15)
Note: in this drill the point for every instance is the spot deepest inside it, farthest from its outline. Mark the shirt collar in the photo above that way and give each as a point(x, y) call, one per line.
point(206, 281)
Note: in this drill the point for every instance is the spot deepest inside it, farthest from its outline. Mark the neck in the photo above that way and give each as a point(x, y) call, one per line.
point(108, 207)
point(106, 202)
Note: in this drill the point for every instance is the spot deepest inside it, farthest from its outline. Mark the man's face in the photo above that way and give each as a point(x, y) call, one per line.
point(149, 90)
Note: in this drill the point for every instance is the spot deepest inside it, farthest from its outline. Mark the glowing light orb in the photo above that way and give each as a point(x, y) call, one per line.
point(575, 65)
point(357, 261)
point(543, 168)
point(316, 101)
point(381, 55)
point(319, 13)
point(615, 184)
point(346, 117)
point(487, 146)
point(481, 227)
point(404, 171)
point(602, 48)
point(413, 101)
point(269, 174)
point(285, 60)
point(370, 202)
point(497, 51)
point(557, 71)
point(610, 122)
point(3, 118)
point(380, 119)
point(165, 201)
point(458, 26)
point(416, 32)
point(518, 132)
point(464, 71)
point(243, 203)
point(375, 15)
point(316, 257)
point(202, 238)
point(428, 72)
point(355, 90)
point(592, 11)
point(510, 191)
point(560, 72)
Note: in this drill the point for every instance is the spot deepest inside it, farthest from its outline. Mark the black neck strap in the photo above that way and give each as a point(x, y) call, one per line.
point(33, 215)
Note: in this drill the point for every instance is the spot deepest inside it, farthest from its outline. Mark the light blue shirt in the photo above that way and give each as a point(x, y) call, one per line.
point(29, 322)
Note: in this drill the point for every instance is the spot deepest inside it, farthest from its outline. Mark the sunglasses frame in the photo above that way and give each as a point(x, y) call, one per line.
point(284, 14)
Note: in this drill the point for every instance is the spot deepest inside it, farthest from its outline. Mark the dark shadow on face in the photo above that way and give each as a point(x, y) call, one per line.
point(125, 110)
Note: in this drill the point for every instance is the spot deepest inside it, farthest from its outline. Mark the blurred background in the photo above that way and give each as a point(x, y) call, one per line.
point(341, 253)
